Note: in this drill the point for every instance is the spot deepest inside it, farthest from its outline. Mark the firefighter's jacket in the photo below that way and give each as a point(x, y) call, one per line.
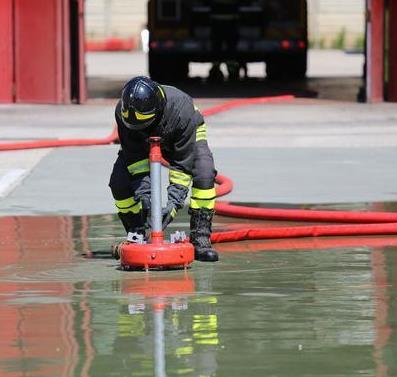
point(178, 127)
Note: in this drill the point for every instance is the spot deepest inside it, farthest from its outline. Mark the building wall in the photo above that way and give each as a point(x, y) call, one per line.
point(114, 18)
point(328, 20)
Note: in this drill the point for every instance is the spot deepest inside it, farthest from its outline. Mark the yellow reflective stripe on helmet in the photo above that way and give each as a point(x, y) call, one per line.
point(201, 132)
point(162, 91)
point(139, 167)
point(141, 116)
point(203, 194)
point(202, 203)
point(128, 205)
point(125, 113)
point(180, 178)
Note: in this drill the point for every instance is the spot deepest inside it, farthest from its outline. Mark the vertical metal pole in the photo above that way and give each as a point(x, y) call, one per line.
point(155, 181)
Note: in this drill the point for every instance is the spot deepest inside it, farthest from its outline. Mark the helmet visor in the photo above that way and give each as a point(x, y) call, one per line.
point(132, 121)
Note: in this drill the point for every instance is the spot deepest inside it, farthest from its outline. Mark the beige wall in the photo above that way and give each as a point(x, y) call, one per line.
point(327, 19)
point(114, 18)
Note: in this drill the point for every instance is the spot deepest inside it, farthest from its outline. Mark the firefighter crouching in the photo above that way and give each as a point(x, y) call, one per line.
point(146, 109)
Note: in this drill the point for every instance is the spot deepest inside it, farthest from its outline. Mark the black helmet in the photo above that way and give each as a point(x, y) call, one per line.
point(142, 103)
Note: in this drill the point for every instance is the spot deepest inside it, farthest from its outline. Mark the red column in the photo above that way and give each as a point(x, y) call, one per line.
point(82, 83)
point(375, 50)
point(6, 51)
point(41, 54)
point(392, 58)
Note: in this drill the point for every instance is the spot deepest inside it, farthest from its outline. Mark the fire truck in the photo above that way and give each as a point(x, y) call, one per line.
point(217, 31)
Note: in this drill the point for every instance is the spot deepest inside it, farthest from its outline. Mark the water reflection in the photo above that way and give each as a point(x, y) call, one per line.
point(295, 311)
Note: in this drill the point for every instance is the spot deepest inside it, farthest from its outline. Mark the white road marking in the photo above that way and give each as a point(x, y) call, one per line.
point(10, 179)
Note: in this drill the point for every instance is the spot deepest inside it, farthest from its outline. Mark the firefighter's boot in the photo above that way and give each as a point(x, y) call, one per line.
point(200, 233)
point(134, 225)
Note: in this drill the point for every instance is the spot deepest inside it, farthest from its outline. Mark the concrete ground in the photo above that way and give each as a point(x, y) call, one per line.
point(305, 151)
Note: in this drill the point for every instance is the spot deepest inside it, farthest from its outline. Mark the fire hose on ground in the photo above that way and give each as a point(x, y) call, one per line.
point(345, 223)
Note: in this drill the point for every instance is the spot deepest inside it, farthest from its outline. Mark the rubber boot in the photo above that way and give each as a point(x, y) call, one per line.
point(200, 233)
point(133, 223)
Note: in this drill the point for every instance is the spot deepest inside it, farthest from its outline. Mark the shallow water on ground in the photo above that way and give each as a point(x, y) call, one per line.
point(309, 307)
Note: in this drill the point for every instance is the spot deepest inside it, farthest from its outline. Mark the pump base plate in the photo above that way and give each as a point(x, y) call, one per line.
point(162, 255)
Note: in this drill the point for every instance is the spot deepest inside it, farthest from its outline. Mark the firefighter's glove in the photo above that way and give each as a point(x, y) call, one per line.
point(177, 195)
point(176, 200)
point(142, 194)
point(168, 214)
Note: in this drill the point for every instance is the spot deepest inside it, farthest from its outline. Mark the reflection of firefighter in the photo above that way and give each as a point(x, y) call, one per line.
point(194, 321)
point(150, 109)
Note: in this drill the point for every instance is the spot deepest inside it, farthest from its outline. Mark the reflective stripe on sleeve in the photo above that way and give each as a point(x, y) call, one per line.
point(201, 132)
point(128, 205)
point(139, 167)
point(180, 178)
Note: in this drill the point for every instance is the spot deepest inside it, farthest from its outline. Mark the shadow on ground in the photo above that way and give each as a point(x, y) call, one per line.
point(338, 88)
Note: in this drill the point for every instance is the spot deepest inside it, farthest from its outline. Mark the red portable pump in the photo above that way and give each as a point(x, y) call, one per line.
point(156, 253)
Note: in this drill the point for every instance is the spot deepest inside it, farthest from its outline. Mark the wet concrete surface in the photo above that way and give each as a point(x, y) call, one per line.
point(309, 307)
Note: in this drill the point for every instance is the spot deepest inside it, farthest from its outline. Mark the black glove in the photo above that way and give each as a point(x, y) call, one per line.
point(142, 194)
point(177, 195)
point(168, 214)
point(176, 199)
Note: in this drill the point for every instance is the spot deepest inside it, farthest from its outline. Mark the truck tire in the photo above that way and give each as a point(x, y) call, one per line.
point(156, 65)
point(298, 66)
point(288, 67)
point(167, 69)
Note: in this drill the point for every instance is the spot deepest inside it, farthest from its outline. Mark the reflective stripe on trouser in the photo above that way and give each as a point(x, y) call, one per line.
point(180, 178)
point(128, 205)
point(139, 167)
point(203, 198)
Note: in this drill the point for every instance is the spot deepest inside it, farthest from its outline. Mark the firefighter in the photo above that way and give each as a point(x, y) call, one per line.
point(146, 109)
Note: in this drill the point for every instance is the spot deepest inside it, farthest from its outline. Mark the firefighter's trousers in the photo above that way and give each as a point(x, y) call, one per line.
point(123, 184)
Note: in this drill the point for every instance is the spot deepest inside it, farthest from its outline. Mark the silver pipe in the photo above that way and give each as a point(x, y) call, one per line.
point(155, 181)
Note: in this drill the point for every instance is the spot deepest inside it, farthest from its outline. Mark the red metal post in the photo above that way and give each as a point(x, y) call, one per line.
point(6, 51)
point(375, 50)
point(392, 58)
point(82, 81)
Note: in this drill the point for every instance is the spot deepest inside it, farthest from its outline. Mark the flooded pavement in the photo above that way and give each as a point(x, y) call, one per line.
point(308, 307)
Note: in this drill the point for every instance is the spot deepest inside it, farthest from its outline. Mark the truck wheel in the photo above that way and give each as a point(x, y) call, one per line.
point(288, 67)
point(166, 69)
point(157, 67)
point(275, 68)
point(178, 70)
point(298, 66)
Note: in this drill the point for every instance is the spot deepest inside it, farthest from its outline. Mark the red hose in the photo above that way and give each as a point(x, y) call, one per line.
point(113, 137)
point(305, 231)
point(377, 227)
point(229, 210)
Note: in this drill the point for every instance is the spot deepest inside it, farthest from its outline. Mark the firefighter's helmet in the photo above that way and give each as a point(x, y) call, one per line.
point(142, 103)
